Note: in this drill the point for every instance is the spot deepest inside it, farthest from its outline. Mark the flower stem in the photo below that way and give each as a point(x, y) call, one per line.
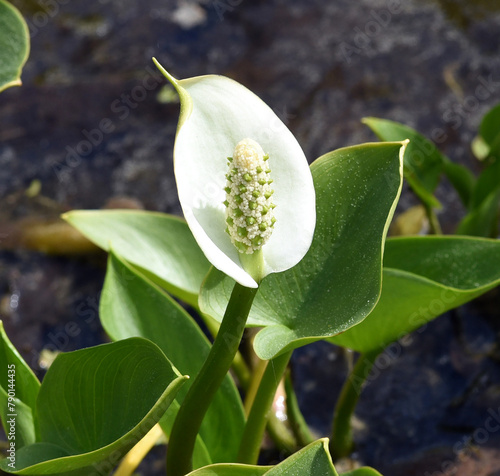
point(434, 225)
point(341, 442)
point(208, 380)
point(239, 366)
point(281, 435)
point(295, 417)
point(257, 374)
point(257, 418)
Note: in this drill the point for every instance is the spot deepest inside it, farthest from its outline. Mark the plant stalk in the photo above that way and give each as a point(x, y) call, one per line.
point(296, 419)
point(281, 435)
point(199, 396)
point(341, 442)
point(257, 418)
point(434, 225)
point(239, 367)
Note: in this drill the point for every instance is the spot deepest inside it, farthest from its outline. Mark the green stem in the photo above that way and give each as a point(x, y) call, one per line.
point(341, 442)
point(295, 417)
point(241, 370)
point(257, 418)
point(282, 437)
point(239, 367)
point(258, 372)
point(208, 380)
point(434, 225)
point(277, 429)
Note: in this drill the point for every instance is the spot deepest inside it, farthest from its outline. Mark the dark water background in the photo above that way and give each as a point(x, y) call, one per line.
point(322, 65)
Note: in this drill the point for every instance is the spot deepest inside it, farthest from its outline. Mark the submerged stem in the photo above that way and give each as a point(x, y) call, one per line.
point(200, 394)
point(257, 418)
point(341, 443)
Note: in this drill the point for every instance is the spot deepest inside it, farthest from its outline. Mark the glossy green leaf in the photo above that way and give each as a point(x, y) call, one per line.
point(14, 45)
point(482, 220)
point(161, 245)
point(423, 278)
point(357, 189)
point(230, 469)
point(132, 305)
point(18, 382)
point(489, 130)
point(314, 459)
point(365, 471)
point(423, 163)
point(487, 182)
point(461, 178)
point(95, 404)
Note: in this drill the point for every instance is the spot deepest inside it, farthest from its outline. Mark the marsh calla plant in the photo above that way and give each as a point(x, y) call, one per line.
point(218, 113)
point(253, 208)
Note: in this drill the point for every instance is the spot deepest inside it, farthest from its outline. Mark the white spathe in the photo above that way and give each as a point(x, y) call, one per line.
point(217, 113)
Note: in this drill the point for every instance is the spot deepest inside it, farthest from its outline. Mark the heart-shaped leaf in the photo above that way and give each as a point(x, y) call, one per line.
point(338, 282)
point(423, 278)
point(314, 459)
point(160, 245)
point(95, 404)
point(18, 392)
point(132, 305)
point(423, 162)
point(14, 45)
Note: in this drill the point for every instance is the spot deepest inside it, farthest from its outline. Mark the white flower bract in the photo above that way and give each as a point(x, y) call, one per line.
point(216, 114)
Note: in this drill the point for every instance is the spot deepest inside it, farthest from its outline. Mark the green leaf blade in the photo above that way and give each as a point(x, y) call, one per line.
point(97, 403)
point(489, 131)
point(365, 471)
point(161, 245)
point(133, 306)
point(357, 189)
point(423, 278)
point(14, 45)
point(423, 162)
point(25, 387)
point(314, 459)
